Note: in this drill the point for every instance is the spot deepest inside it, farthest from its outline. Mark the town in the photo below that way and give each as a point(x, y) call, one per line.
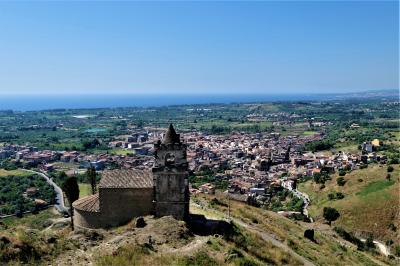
point(248, 164)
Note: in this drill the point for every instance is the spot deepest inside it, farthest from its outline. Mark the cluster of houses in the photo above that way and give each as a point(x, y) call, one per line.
point(259, 164)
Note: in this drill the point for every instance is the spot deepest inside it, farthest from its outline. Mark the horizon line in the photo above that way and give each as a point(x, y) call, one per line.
point(194, 93)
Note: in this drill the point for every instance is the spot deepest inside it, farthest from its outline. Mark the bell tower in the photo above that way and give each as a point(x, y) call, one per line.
point(170, 177)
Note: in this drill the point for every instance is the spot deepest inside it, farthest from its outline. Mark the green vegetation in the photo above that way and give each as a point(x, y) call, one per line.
point(321, 178)
point(309, 133)
point(15, 173)
point(91, 176)
point(283, 200)
point(71, 190)
point(335, 196)
point(198, 180)
point(84, 190)
point(340, 181)
point(330, 214)
point(35, 221)
point(12, 189)
point(350, 237)
point(375, 186)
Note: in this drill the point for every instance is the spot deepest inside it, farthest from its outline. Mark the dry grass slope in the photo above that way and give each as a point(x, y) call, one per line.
point(328, 249)
point(370, 205)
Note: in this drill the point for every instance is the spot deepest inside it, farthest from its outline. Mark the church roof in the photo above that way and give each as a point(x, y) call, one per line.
point(127, 178)
point(171, 136)
point(88, 203)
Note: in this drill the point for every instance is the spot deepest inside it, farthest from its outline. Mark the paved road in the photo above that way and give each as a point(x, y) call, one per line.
point(382, 247)
point(306, 200)
point(60, 206)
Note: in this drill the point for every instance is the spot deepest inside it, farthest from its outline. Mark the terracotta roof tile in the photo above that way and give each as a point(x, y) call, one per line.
point(127, 178)
point(88, 203)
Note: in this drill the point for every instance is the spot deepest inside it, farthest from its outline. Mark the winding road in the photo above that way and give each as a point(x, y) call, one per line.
point(382, 247)
point(60, 206)
point(306, 200)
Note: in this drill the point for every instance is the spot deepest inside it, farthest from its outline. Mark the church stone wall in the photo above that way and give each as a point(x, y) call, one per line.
point(120, 205)
point(84, 219)
point(172, 195)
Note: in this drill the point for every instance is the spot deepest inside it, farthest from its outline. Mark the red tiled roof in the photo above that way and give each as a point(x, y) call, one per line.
point(126, 178)
point(88, 203)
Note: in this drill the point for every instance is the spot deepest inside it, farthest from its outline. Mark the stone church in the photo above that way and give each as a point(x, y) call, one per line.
point(125, 194)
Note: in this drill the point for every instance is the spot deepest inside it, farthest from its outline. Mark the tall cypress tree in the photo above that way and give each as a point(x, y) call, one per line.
point(71, 190)
point(91, 178)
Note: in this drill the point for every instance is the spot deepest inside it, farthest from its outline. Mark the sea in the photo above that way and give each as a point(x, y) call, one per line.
point(48, 102)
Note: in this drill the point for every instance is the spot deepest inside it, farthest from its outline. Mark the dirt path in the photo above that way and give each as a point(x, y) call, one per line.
point(192, 247)
point(58, 221)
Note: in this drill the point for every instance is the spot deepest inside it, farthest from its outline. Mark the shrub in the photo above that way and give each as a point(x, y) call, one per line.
point(350, 237)
point(335, 195)
point(392, 227)
point(389, 242)
point(390, 169)
point(370, 242)
point(342, 173)
point(340, 181)
point(339, 195)
point(331, 196)
point(397, 251)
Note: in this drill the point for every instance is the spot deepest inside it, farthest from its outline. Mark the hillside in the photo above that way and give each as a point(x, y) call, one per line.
point(370, 204)
point(163, 241)
point(327, 249)
point(254, 237)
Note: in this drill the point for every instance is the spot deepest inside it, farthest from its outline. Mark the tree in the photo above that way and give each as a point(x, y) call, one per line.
point(388, 176)
point(340, 181)
point(91, 178)
point(390, 169)
point(330, 214)
point(71, 190)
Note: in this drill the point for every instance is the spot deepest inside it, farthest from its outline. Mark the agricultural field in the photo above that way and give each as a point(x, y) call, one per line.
point(19, 173)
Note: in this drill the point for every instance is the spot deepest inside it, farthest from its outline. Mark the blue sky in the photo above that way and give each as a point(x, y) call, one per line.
point(198, 47)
